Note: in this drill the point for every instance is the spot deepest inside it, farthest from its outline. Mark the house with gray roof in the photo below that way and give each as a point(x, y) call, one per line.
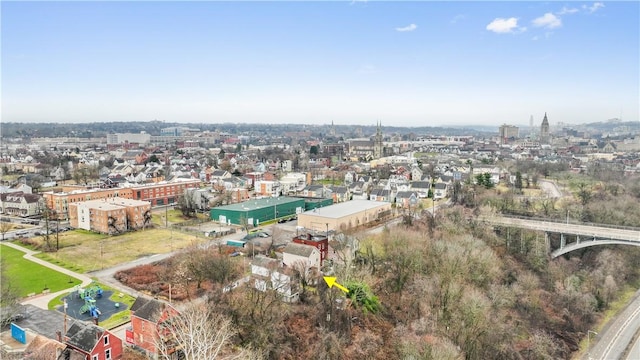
point(295, 255)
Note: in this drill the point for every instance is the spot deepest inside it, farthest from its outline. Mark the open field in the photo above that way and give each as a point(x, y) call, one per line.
point(86, 251)
point(158, 217)
point(34, 278)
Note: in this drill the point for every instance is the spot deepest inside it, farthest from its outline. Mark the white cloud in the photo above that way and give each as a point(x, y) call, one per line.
point(593, 8)
point(410, 27)
point(505, 26)
point(547, 35)
point(458, 18)
point(565, 10)
point(548, 21)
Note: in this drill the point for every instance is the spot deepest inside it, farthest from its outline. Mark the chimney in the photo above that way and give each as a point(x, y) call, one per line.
point(59, 335)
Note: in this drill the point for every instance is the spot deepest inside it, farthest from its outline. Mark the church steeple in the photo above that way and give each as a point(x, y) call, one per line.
point(545, 138)
point(377, 145)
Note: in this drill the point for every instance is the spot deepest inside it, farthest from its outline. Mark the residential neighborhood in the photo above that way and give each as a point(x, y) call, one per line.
point(286, 206)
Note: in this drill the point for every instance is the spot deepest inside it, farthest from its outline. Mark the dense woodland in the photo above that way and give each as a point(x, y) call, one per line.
point(449, 287)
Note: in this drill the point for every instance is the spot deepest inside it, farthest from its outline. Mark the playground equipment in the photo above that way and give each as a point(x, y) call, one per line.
point(90, 295)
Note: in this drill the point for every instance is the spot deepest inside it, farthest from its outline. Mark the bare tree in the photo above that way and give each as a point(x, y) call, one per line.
point(48, 215)
point(186, 204)
point(199, 333)
point(112, 221)
point(146, 219)
point(5, 226)
point(9, 297)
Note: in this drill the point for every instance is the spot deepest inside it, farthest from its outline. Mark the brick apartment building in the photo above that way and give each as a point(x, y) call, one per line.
point(147, 315)
point(160, 193)
point(320, 242)
point(109, 216)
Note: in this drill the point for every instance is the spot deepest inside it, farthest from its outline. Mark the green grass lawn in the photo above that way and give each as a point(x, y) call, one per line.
point(30, 277)
point(174, 217)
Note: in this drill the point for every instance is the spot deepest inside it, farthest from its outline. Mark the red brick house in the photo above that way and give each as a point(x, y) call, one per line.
point(94, 342)
point(146, 316)
point(320, 242)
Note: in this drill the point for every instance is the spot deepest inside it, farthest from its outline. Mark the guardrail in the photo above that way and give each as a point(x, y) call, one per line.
point(570, 222)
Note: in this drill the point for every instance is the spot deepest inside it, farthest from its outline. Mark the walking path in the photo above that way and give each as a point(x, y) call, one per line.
point(42, 301)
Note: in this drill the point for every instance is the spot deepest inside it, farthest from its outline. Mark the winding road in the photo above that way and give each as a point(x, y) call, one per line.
point(618, 339)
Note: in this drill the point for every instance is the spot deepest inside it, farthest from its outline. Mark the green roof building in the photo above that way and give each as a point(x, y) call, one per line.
point(257, 211)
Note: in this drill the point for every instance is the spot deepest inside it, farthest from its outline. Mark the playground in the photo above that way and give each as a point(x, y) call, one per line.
point(91, 304)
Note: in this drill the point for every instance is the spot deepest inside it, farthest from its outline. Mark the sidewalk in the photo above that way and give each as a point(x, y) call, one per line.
point(42, 300)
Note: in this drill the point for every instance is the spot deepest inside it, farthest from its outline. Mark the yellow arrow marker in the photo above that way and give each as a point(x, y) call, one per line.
point(331, 281)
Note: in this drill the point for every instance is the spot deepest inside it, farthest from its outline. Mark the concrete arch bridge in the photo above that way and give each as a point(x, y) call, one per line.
point(585, 234)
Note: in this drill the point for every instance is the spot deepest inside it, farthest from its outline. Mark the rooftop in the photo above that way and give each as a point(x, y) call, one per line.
point(148, 308)
point(84, 336)
point(299, 249)
point(346, 208)
point(254, 204)
point(112, 203)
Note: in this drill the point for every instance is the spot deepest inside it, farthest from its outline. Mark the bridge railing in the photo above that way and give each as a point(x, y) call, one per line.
point(571, 222)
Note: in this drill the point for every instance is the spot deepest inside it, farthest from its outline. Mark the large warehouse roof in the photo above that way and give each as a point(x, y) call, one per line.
point(346, 208)
point(254, 204)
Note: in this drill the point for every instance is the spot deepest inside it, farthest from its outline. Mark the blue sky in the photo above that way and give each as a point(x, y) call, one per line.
point(401, 63)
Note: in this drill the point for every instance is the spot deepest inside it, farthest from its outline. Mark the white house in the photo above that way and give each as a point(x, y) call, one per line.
point(293, 182)
point(301, 255)
point(267, 274)
point(21, 204)
point(268, 188)
point(440, 191)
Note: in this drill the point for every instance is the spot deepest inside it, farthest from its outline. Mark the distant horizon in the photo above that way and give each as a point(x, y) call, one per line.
point(383, 125)
point(404, 63)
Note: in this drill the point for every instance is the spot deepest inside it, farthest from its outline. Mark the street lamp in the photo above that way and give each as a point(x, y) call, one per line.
point(567, 216)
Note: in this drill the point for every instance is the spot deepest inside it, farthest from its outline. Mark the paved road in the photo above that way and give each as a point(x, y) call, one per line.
point(616, 335)
point(42, 301)
point(634, 350)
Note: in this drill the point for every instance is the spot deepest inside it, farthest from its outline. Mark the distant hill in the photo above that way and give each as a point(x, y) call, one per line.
point(100, 129)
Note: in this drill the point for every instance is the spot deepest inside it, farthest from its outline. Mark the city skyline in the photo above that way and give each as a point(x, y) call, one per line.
point(404, 64)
